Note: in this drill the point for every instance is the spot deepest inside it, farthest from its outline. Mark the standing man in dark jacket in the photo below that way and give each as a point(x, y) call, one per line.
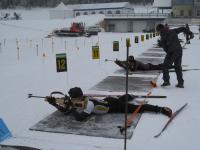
point(170, 43)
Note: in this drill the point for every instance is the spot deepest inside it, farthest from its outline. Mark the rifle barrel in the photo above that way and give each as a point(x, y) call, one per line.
point(38, 96)
point(30, 95)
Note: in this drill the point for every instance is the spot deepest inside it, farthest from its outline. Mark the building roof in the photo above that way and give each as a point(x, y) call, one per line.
point(182, 2)
point(62, 6)
point(100, 6)
point(162, 3)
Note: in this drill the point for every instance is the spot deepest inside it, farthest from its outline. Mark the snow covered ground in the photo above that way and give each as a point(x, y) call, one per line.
point(23, 70)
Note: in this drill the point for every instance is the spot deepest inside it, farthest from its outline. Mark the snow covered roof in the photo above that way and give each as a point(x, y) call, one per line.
point(162, 3)
point(100, 6)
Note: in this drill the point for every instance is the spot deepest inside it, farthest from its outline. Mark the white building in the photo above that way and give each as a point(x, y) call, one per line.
point(61, 12)
point(102, 8)
point(119, 17)
point(163, 5)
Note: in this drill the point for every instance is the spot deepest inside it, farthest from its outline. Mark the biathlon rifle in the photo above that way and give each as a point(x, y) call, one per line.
point(64, 100)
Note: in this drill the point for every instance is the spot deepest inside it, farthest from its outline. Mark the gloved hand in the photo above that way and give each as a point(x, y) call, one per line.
point(191, 35)
point(117, 61)
point(159, 43)
point(73, 109)
point(50, 99)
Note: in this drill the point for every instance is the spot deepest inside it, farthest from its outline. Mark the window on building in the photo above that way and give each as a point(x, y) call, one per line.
point(85, 13)
point(111, 28)
point(182, 13)
point(78, 14)
point(109, 12)
point(118, 12)
point(93, 13)
point(182, 2)
point(101, 12)
point(189, 12)
point(198, 12)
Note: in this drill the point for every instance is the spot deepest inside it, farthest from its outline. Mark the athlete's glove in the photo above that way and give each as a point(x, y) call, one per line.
point(50, 99)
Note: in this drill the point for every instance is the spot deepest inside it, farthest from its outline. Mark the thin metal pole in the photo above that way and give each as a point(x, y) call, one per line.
point(126, 102)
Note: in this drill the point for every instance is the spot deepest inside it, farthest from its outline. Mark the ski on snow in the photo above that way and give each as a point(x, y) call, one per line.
point(184, 70)
point(170, 119)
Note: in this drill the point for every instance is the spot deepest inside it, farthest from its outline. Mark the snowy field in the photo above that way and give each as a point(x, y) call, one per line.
point(28, 65)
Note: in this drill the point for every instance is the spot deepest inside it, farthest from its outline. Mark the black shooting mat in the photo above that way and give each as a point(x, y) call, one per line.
point(153, 54)
point(155, 50)
point(96, 125)
point(154, 61)
point(147, 72)
point(16, 147)
point(118, 84)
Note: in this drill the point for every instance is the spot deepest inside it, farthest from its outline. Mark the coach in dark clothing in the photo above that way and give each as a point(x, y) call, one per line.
point(170, 43)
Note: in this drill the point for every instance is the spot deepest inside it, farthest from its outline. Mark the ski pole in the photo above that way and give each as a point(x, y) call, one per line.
point(133, 115)
point(184, 70)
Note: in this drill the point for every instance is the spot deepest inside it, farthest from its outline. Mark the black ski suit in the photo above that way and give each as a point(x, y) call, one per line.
point(171, 45)
point(112, 105)
point(108, 105)
point(137, 65)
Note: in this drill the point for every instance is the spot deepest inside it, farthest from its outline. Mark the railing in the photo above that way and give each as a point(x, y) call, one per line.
point(164, 15)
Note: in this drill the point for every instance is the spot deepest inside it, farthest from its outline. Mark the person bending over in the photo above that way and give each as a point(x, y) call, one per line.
point(170, 43)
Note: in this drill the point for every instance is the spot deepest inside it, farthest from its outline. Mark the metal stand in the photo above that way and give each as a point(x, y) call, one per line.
point(126, 102)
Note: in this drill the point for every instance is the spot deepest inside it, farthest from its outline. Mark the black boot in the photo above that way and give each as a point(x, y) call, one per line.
point(165, 83)
point(179, 85)
point(166, 111)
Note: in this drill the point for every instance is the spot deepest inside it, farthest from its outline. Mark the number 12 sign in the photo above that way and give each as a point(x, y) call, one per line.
point(61, 62)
